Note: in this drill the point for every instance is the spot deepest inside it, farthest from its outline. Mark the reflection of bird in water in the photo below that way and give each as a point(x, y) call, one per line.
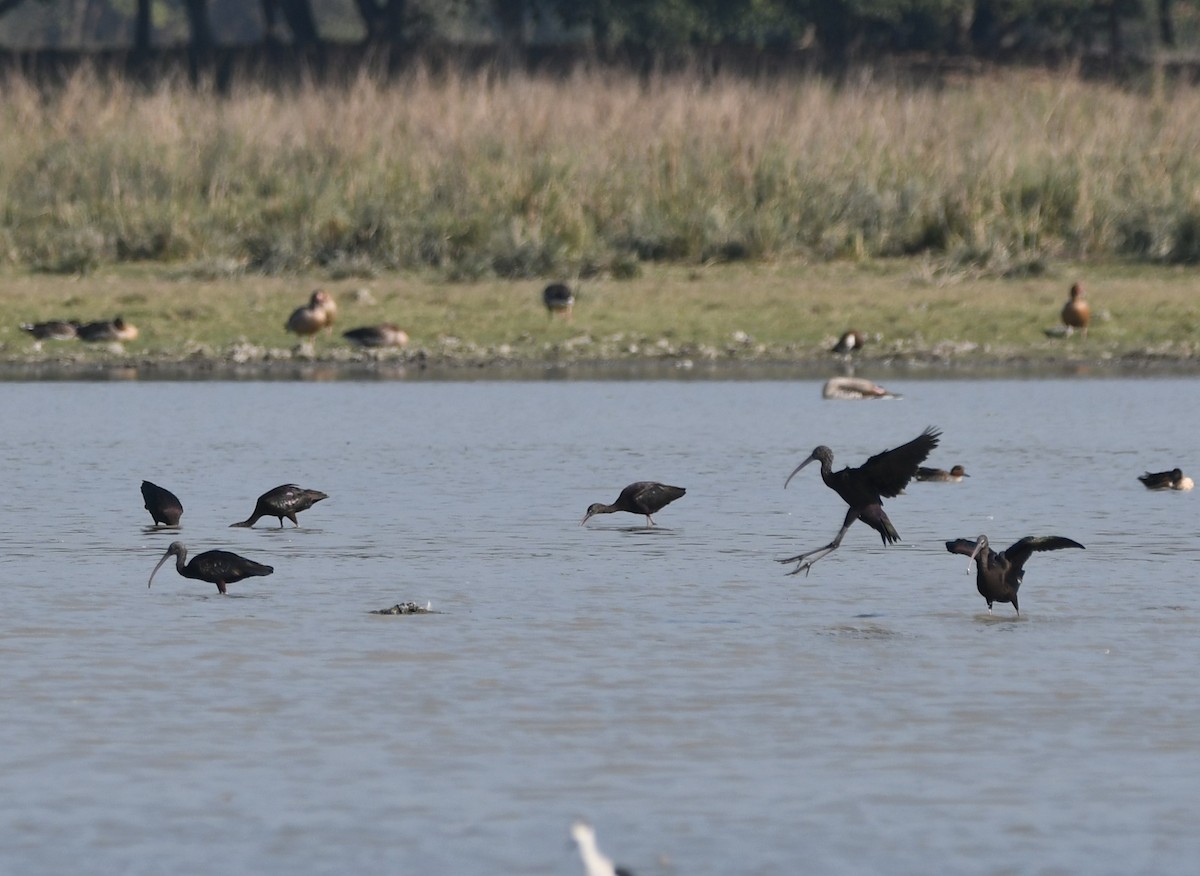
point(215, 567)
point(883, 475)
point(318, 314)
point(286, 500)
point(163, 505)
point(595, 862)
point(386, 335)
point(998, 575)
point(54, 330)
point(849, 388)
point(107, 330)
point(849, 342)
point(640, 497)
point(1174, 479)
point(955, 475)
point(559, 299)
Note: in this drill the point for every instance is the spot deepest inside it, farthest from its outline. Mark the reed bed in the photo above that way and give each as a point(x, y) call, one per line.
point(474, 176)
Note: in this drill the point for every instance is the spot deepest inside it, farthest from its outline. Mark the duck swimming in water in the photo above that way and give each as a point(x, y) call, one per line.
point(955, 475)
point(852, 388)
point(1166, 480)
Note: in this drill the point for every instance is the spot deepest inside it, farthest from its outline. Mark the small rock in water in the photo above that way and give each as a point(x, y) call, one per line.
point(406, 608)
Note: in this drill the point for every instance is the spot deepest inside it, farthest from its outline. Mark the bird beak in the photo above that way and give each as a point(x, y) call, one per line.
point(586, 517)
point(975, 553)
point(156, 568)
point(796, 470)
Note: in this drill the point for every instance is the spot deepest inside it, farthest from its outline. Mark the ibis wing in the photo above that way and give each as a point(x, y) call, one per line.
point(1023, 549)
point(890, 471)
point(964, 546)
point(650, 494)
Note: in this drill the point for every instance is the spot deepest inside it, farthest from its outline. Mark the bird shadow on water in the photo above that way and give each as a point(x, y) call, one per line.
point(150, 530)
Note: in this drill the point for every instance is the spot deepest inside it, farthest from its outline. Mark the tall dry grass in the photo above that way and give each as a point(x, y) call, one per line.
point(475, 175)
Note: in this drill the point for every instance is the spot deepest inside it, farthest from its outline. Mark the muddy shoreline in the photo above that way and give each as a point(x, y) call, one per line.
point(423, 365)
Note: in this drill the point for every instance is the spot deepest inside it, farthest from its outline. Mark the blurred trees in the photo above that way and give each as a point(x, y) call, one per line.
point(827, 31)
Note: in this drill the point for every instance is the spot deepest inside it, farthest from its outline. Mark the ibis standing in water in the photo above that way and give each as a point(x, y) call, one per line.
point(883, 475)
point(998, 575)
point(163, 505)
point(215, 567)
point(286, 500)
point(640, 497)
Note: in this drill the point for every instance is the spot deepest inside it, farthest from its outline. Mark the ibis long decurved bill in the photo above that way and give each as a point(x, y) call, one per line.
point(165, 557)
point(796, 470)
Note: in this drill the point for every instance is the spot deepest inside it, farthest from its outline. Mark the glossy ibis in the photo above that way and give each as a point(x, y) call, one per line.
point(998, 575)
point(107, 330)
point(883, 475)
point(640, 497)
point(163, 505)
point(1174, 479)
point(54, 330)
point(215, 567)
point(849, 342)
point(1076, 314)
point(318, 314)
point(286, 500)
point(386, 335)
point(955, 475)
point(850, 388)
point(595, 862)
point(559, 299)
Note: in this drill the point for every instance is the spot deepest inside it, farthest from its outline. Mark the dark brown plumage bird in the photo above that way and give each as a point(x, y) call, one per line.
point(215, 567)
point(955, 475)
point(286, 500)
point(1076, 314)
point(386, 335)
point(883, 475)
point(163, 505)
point(1174, 479)
point(107, 330)
point(559, 299)
point(54, 330)
point(849, 342)
point(640, 497)
point(998, 575)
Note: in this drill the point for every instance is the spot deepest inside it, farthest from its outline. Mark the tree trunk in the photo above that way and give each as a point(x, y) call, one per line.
point(1166, 23)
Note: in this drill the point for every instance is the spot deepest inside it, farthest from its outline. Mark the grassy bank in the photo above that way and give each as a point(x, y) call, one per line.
point(520, 177)
point(780, 311)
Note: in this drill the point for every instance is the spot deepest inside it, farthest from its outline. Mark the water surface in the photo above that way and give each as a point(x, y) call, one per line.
point(708, 713)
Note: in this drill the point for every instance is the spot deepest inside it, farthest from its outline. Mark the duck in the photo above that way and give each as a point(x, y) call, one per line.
point(1076, 314)
point(319, 313)
point(559, 299)
point(53, 330)
point(385, 335)
point(848, 388)
point(849, 342)
point(107, 330)
point(955, 475)
point(1174, 479)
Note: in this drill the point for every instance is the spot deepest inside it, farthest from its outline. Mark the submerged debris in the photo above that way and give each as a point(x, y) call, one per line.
point(406, 608)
